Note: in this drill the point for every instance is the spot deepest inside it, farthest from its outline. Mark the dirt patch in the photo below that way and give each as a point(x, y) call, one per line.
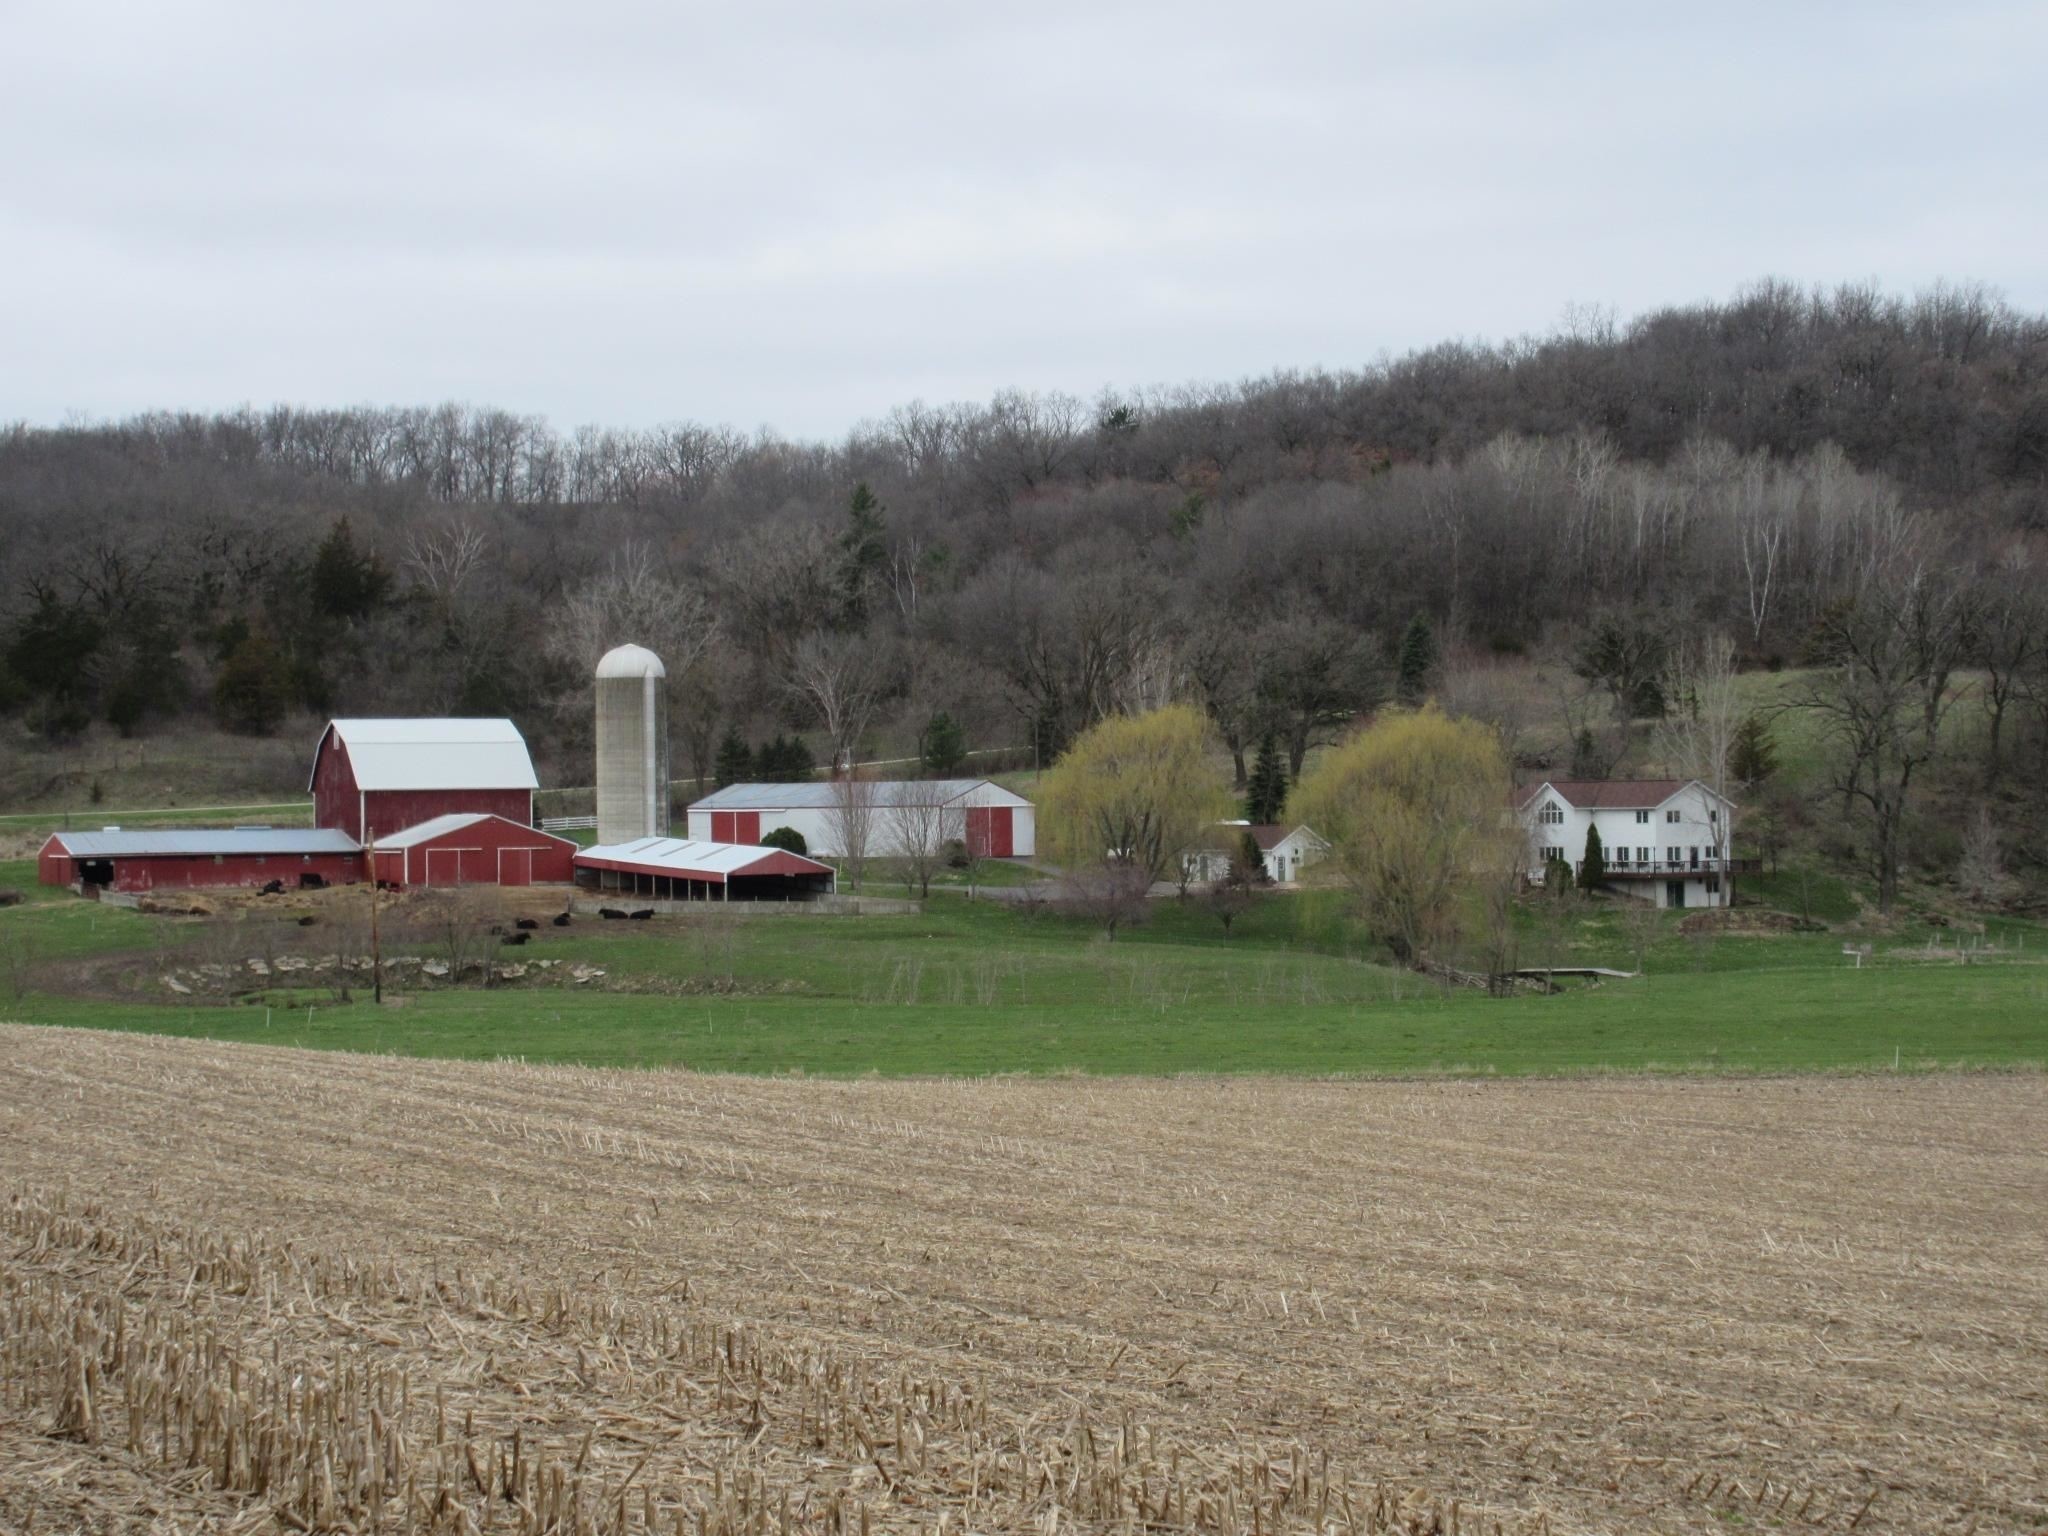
point(1748, 920)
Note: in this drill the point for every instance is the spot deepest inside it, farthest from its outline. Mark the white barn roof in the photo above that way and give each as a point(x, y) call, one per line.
point(434, 754)
point(203, 842)
point(820, 796)
point(686, 856)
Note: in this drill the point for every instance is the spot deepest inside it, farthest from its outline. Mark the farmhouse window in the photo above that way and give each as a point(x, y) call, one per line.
point(1713, 815)
point(1672, 817)
point(1643, 855)
point(1551, 814)
point(1642, 818)
point(1713, 885)
point(1671, 854)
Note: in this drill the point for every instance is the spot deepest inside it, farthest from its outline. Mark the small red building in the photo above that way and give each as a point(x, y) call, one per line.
point(470, 849)
point(197, 859)
point(372, 778)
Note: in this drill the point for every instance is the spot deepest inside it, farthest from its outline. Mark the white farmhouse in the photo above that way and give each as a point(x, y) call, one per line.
point(1285, 851)
point(1664, 841)
point(991, 820)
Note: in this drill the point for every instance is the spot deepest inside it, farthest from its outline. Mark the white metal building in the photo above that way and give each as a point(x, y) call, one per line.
point(993, 821)
point(1664, 841)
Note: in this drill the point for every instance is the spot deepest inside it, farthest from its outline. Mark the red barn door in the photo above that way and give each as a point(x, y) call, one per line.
point(991, 831)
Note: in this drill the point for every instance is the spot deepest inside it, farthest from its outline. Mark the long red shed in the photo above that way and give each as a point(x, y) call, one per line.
point(685, 869)
point(373, 778)
point(199, 859)
point(471, 849)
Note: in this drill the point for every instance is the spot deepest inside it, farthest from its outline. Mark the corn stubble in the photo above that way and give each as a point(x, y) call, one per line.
point(549, 1301)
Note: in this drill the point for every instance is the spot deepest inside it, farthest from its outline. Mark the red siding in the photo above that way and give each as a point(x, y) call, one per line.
point(497, 852)
point(393, 810)
point(991, 831)
point(338, 802)
point(197, 872)
point(53, 866)
point(334, 788)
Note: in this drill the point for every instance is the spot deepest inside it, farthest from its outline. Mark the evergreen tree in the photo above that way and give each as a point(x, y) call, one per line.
point(1593, 868)
point(254, 687)
point(785, 760)
point(945, 745)
point(346, 582)
point(48, 660)
point(1266, 790)
point(864, 550)
point(1754, 756)
point(1250, 863)
point(1417, 661)
point(735, 763)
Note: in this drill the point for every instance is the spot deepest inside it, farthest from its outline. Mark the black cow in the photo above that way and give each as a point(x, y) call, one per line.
point(306, 921)
point(515, 938)
point(526, 922)
point(610, 912)
point(275, 888)
point(642, 915)
point(561, 919)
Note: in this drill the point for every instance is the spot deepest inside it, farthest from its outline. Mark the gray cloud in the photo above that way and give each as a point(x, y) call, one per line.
point(801, 214)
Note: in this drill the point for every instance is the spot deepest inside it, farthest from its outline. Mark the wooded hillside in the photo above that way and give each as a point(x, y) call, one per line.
point(1008, 573)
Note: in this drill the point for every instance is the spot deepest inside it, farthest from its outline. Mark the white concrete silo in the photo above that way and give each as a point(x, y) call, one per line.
point(632, 745)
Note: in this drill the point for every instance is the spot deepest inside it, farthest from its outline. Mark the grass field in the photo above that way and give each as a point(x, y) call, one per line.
point(982, 987)
point(267, 1290)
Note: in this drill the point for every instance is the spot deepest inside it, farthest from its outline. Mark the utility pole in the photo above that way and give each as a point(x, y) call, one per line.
point(376, 949)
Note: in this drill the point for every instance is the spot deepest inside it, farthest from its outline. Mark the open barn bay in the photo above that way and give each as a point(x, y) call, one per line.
point(256, 1289)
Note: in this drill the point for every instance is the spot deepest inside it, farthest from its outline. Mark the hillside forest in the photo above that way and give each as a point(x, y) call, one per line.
point(1579, 538)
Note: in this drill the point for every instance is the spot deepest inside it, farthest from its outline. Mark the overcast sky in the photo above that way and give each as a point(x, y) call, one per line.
point(798, 215)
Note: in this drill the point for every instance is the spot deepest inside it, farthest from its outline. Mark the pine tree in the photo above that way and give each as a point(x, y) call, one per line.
point(346, 582)
point(785, 760)
point(1754, 756)
point(253, 688)
point(1417, 661)
point(864, 550)
point(1266, 790)
point(1593, 869)
point(945, 745)
point(734, 763)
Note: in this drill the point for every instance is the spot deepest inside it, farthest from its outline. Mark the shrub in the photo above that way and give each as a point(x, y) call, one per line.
point(789, 840)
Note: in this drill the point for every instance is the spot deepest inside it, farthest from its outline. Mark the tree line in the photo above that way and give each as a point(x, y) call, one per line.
point(1287, 553)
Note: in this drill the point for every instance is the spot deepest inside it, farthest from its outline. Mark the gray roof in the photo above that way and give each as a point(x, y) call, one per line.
point(433, 754)
point(820, 796)
point(204, 842)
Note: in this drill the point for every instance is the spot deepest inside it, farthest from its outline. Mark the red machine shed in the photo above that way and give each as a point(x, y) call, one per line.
point(375, 778)
point(198, 859)
point(474, 850)
point(682, 869)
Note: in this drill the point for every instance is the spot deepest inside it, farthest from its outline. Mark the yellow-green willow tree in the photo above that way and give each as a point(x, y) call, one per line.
point(1417, 811)
point(1134, 791)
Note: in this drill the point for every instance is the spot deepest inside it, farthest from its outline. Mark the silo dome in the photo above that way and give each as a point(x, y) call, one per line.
point(630, 661)
point(632, 745)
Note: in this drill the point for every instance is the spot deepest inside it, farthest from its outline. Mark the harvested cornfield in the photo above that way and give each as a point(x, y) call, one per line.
point(252, 1290)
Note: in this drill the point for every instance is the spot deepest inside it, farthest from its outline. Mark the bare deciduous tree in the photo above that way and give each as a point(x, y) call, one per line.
point(915, 826)
point(851, 820)
point(841, 678)
point(1884, 696)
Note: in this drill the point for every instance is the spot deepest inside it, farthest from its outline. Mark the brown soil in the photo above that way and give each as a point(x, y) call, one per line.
point(1613, 1306)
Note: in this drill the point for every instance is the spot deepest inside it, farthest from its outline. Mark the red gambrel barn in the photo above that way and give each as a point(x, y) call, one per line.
point(471, 849)
point(374, 778)
point(114, 860)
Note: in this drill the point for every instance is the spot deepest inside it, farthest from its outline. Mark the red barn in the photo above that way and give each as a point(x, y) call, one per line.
point(472, 849)
point(373, 778)
point(198, 859)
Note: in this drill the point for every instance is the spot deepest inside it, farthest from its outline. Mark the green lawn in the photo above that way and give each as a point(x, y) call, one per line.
point(970, 988)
